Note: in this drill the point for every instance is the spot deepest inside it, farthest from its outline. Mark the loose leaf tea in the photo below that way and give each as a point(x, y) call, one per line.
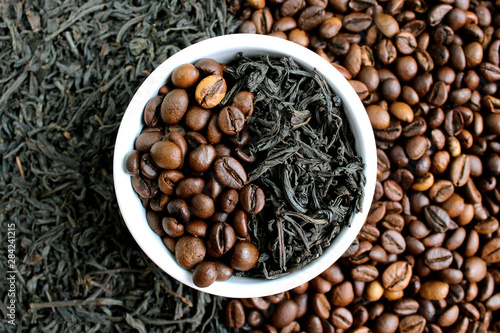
point(306, 163)
point(68, 71)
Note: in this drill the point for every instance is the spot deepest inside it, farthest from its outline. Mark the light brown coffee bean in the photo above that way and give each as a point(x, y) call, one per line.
point(434, 290)
point(397, 276)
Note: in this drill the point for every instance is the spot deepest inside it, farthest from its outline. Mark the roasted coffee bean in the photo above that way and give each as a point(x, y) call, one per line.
point(460, 170)
point(208, 66)
point(320, 305)
point(364, 273)
point(311, 17)
point(474, 269)
point(151, 113)
point(204, 274)
point(210, 91)
point(387, 24)
point(230, 172)
point(357, 22)
point(147, 167)
point(196, 118)
point(172, 227)
point(240, 223)
point(263, 21)
point(174, 106)
point(393, 242)
point(221, 239)
point(189, 251)
point(187, 187)
point(386, 323)
point(491, 251)
point(284, 313)
point(441, 190)
point(385, 51)
point(231, 120)
point(405, 306)
point(235, 314)
point(434, 290)
point(321, 285)
point(396, 276)
point(255, 318)
point(456, 239)
point(245, 255)
point(185, 76)
point(341, 318)
point(202, 206)
point(168, 179)
point(392, 190)
point(166, 155)
point(448, 317)
point(252, 199)
point(342, 294)
point(197, 228)
point(179, 209)
point(438, 258)
point(228, 201)
point(334, 273)
point(437, 218)
point(154, 222)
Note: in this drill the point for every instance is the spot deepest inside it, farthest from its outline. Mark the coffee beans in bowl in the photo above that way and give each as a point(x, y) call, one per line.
point(246, 166)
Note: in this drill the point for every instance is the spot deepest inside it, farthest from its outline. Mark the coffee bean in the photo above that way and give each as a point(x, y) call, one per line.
point(210, 91)
point(204, 274)
point(166, 155)
point(434, 290)
point(221, 238)
point(320, 305)
point(208, 66)
point(311, 17)
point(491, 251)
point(448, 317)
point(284, 313)
point(189, 251)
point(255, 318)
point(438, 258)
point(187, 187)
point(392, 190)
point(387, 24)
point(196, 118)
point(202, 206)
point(460, 170)
point(441, 190)
point(393, 242)
point(252, 199)
point(174, 106)
point(456, 239)
point(245, 256)
point(231, 120)
point(263, 20)
point(436, 218)
point(405, 306)
point(386, 323)
point(397, 276)
point(342, 294)
point(364, 273)
point(230, 172)
point(474, 269)
point(235, 314)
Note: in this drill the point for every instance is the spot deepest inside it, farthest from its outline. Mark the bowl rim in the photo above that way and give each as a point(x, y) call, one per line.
point(228, 46)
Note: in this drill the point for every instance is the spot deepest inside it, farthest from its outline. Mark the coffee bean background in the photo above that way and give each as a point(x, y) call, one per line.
point(426, 259)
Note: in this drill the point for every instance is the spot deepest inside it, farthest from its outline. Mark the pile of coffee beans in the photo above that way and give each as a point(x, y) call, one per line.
point(188, 168)
point(427, 258)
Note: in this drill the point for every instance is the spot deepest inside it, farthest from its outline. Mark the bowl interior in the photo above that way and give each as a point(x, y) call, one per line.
point(224, 49)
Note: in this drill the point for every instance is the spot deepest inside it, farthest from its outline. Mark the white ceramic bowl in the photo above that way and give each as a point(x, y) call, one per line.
point(224, 49)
